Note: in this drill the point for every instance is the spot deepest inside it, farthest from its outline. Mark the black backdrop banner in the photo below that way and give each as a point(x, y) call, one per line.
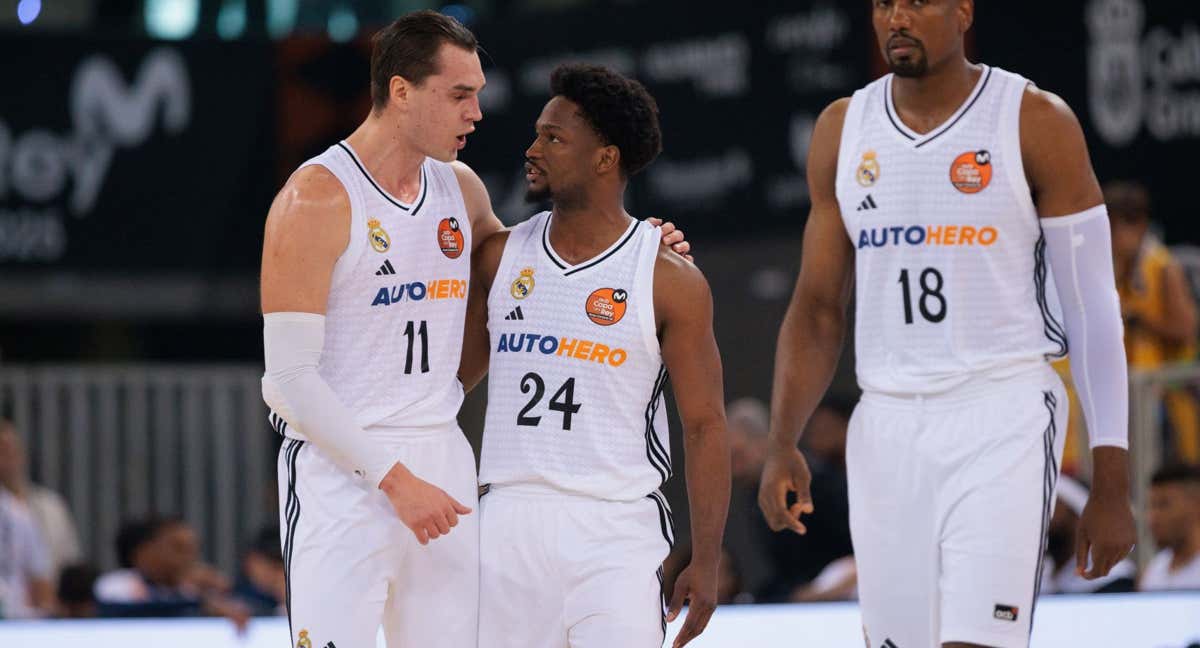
point(130, 156)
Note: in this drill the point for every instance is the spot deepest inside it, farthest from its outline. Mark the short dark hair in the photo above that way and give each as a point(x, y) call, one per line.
point(136, 533)
point(266, 543)
point(619, 109)
point(1176, 473)
point(408, 48)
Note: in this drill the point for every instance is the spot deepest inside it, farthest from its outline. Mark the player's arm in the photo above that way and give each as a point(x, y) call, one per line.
point(683, 310)
point(476, 350)
point(308, 228)
point(1079, 249)
point(810, 339)
point(483, 219)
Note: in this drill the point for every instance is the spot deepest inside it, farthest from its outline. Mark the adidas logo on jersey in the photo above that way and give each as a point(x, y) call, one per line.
point(385, 269)
point(867, 204)
point(888, 643)
point(516, 314)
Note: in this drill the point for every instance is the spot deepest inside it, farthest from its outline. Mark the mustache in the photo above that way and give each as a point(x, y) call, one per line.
point(904, 39)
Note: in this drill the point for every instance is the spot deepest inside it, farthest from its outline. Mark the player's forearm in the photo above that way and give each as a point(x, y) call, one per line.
point(706, 449)
point(295, 390)
point(810, 344)
point(1110, 472)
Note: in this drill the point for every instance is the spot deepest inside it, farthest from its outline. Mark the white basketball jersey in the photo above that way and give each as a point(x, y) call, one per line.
point(397, 302)
point(575, 388)
point(949, 257)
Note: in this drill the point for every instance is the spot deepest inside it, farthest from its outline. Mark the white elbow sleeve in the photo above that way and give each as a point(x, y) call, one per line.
point(291, 386)
point(1079, 248)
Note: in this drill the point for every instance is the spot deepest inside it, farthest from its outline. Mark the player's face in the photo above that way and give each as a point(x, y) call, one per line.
point(913, 34)
point(1174, 510)
point(559, 163)
point(446, 106)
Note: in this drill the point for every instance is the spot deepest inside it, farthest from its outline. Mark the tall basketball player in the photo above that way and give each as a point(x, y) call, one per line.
point(946, 190)
point(366, 260)
point(587, 316)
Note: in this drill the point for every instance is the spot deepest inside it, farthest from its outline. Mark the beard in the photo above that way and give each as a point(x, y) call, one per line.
point(539, 195)
point(914, 65)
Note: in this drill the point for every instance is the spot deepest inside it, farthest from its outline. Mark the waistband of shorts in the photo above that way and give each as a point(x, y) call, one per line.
point(393, 434)
point(540, 492)
point(975, 387)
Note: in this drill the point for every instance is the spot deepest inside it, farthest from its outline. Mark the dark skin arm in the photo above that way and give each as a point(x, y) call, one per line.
point(683, 310)
point(1060, 175)
point(810, 339)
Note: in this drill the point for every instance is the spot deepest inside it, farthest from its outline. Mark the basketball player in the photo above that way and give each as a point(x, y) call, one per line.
point(945, 189)
point(366, 261)
point(584, 311)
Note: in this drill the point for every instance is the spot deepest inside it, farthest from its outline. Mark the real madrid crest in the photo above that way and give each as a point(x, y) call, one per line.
point(868, 170)
point(523, 285)
point(304, 641)
point(378, 236)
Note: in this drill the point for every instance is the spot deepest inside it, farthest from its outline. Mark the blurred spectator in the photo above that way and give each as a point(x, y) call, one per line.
point(1174, 519)
point(747, 537)
point(25, 586)
point(1157, 305)
point(161, 575)
point(262, 586)
point(76, 597)
point(801, 558)
point(47, 509)
point(837, 582)
point(1059, 575)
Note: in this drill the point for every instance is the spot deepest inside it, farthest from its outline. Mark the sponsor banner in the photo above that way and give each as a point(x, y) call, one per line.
point(133, 155)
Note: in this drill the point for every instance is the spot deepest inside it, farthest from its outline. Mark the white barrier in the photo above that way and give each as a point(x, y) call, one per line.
point(1099, 621)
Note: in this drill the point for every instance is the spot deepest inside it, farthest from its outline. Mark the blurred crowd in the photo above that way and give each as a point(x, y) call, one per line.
point(43, 572)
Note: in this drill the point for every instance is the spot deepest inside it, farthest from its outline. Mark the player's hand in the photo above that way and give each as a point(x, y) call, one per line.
point(673, 237)
point(1106, 529)
point(424, 508)
point(785, 471)
point(698, 585)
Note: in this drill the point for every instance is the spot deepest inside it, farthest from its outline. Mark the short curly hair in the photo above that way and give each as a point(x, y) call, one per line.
point(619, 109)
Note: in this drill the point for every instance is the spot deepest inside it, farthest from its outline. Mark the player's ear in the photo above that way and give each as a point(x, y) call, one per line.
point(966, 15)
point(398, 88)
point(608, 160)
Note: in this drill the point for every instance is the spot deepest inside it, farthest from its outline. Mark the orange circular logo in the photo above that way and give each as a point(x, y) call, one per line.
point(971, 172)
point(450, 237)
point(606, 306)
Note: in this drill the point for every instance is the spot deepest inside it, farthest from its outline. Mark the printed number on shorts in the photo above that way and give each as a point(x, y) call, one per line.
point(931, 295)
point(533, 382)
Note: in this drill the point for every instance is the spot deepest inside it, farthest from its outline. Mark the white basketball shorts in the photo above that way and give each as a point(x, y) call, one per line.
point(561, 571)
point(950, 497)
point(351, 563)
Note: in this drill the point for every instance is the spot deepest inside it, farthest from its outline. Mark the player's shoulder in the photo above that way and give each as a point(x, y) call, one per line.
point(834, 114)
point(310, 192)
point(675, 271)
point(1042, 110)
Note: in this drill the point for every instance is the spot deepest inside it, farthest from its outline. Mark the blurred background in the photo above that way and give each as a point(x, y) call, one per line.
point(141, 142)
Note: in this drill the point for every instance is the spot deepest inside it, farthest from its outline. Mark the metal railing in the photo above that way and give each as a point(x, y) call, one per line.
point(122, 441)
point(1146, 389)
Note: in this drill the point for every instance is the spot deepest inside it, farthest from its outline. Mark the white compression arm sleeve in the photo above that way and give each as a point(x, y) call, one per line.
point(1079, 248)
point(292, 387)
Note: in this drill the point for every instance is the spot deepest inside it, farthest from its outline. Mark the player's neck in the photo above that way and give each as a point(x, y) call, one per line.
point(392, 161)
point(580, 232)
point(925, 102)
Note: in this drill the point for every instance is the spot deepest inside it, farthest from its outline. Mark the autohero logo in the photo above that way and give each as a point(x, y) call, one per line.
point(1137, 78)
point(68, 170)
